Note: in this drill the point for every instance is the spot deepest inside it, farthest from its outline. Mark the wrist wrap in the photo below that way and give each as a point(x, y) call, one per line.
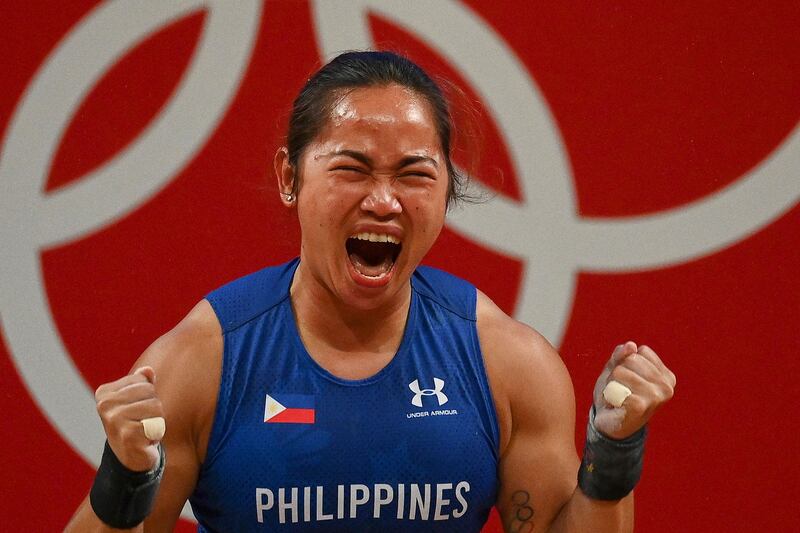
point(121, 497)
point(610, 468)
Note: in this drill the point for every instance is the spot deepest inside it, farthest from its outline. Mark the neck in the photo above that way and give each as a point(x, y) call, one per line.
point(324, 321)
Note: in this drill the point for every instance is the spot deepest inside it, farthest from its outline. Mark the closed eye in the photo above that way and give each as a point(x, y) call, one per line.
point(350, 169)
point(419, 174)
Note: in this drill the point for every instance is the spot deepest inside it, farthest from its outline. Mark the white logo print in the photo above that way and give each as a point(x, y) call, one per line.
point(33, 220)
point(436, 391)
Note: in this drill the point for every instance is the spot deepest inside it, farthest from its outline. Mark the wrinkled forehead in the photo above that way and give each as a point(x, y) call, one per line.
point(381, 117)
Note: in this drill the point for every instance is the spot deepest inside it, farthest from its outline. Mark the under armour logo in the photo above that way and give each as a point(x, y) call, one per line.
point(438, 385)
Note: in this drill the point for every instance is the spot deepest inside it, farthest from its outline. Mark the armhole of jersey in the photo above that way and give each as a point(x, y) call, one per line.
point(230, 320)
point(223, 393)
point(488, 397)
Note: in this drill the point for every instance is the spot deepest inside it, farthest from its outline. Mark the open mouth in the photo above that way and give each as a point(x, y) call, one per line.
point(373, 254)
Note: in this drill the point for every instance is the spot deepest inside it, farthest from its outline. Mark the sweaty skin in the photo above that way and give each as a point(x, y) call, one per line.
point(378, 167)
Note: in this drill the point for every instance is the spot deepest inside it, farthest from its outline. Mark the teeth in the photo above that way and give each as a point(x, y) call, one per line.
point(379, 276)
point(376, 237)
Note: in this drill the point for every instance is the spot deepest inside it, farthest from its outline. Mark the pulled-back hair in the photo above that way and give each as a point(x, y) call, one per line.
point(352, 70)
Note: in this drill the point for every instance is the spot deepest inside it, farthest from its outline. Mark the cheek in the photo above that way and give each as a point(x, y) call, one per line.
point(428, 212)
point(321, 210)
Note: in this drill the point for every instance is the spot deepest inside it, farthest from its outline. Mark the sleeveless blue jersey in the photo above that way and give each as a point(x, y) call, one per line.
point(295, 448)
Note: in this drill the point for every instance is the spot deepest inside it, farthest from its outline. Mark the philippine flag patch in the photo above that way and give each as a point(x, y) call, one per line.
point(289, 409)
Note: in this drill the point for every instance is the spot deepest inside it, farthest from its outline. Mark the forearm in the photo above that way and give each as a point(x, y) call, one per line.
point(582, 513)
point(85, 521)
point(603, 499)
point(120, 499)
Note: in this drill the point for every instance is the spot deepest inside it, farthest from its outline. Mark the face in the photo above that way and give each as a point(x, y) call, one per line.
point(372, 196)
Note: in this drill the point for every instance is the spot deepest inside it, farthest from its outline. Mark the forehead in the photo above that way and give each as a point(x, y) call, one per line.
point(378, 117)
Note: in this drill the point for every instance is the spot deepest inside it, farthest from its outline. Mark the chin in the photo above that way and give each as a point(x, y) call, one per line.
point(364, 293)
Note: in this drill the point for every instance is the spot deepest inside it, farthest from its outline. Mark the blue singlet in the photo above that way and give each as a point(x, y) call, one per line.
point(295, 448)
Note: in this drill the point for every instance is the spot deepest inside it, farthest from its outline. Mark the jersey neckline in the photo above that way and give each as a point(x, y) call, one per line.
point(402, 349)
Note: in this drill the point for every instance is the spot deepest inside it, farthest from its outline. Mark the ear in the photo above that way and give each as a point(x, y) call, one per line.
point(284, 171)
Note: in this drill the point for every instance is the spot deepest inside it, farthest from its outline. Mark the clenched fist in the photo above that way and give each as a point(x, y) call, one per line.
point(649, 381)
point(123, 405)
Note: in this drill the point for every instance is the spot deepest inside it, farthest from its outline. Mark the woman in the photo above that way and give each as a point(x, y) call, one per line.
point(352, 389)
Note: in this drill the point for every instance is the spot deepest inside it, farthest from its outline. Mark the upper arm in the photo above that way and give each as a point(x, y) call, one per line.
point(187, 363)
point(536, 409)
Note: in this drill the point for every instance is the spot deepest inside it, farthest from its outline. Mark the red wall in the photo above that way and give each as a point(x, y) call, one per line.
point(655, 115)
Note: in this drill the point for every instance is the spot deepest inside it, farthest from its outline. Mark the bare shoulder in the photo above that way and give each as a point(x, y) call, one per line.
point(526, 374)
point(188, 361)
point(197, 337)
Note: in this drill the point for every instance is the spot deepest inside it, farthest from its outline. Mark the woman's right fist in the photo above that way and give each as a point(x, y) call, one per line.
point(122, 405)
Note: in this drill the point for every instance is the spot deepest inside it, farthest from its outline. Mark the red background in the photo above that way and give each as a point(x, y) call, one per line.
point(657, 106)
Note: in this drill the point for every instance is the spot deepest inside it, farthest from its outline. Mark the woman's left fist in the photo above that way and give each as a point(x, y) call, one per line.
point(643, 384)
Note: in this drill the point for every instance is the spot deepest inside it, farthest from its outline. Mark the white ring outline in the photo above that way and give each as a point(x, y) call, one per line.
point(775, 177)
point(30, 221)
point(564, 242)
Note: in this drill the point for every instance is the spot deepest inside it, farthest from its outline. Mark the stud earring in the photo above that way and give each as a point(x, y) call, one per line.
point(289, 196)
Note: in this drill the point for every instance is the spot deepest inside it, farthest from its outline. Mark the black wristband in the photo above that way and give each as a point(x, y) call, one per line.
point(121, 497)
point(610, 468)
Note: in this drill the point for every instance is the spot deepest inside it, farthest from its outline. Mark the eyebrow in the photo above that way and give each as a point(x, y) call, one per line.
point(410, 160)
point(365, 159)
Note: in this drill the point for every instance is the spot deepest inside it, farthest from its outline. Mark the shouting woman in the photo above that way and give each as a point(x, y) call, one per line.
point(352, 389)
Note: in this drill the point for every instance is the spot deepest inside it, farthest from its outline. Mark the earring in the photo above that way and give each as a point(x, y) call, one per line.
point(289, 196)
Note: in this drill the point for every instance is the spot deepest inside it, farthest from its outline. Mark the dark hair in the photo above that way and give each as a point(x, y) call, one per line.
point(352, 70)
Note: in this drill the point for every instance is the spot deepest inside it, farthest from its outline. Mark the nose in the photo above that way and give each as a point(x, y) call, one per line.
point(382, 200)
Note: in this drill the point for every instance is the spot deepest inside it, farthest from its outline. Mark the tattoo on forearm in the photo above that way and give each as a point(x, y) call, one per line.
point(520, 518)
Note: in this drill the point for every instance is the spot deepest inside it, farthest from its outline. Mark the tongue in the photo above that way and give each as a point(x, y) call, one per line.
point(373, 271)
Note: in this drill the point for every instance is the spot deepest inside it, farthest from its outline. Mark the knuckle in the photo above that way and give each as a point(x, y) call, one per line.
point(614, 375)
point(630, 363)
point(151, 389)
point(127, 433)
point(669, 392)
point(104, 407)
point(636, 405)
point(147, 389)
point(660, 395)
point(113, 432)
point(650, 354)
point(112, 418)
point(151, 407)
